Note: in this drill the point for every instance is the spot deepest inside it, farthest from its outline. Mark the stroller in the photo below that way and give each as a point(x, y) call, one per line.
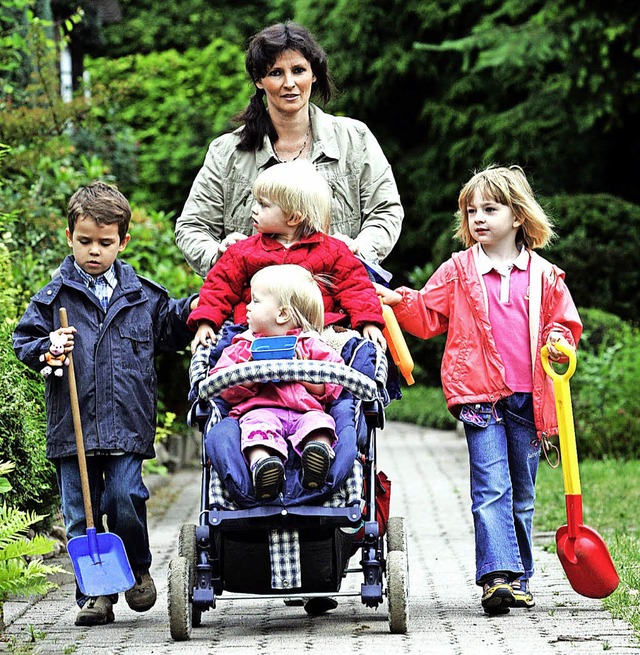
point(298, 545)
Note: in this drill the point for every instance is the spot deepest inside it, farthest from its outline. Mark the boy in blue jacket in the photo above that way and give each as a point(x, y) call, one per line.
point(118, 322)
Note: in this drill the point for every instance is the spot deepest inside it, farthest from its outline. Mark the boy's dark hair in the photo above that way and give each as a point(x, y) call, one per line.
point(101, 202)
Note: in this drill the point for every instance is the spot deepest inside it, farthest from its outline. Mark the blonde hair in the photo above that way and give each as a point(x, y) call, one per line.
point(294, 287)
point(507, 186)
point(296, 186)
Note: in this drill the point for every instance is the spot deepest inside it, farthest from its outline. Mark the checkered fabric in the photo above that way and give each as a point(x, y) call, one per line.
point(284, 547)
point(284, 550)
point(199, 366)
point(357, 383)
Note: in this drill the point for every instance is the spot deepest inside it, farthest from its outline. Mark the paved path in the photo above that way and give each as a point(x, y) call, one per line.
point(429, 471)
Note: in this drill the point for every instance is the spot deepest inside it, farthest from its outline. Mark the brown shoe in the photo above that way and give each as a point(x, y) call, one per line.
point(96, 611)
point(142, 596)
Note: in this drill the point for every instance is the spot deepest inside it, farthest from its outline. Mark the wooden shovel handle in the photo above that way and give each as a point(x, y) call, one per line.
point(77, 428)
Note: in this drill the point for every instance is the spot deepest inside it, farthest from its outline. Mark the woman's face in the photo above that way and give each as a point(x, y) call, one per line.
point(288, 83)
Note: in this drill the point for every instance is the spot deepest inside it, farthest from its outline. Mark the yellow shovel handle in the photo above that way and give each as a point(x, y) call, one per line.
point(566, 432)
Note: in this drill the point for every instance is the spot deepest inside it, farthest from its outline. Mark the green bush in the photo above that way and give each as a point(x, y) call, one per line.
point(22, 432)
point(174, 104)
point(606, 406)
point(599, 248)
point(424, 406)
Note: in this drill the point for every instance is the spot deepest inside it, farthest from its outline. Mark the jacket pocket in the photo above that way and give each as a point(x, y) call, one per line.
point(136, 346)
point(345, 207)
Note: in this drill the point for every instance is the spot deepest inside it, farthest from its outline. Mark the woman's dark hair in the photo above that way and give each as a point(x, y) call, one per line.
point(263, 50)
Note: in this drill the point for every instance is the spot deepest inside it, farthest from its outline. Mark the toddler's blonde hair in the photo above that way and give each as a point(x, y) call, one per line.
point(295, 287)
point(296, 186)
point(506, 186)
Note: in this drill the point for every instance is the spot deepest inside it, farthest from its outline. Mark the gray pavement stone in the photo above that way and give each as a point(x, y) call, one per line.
point(429, 473)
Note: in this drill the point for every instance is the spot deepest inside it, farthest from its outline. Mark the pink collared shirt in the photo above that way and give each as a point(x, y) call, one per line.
point(507, 288)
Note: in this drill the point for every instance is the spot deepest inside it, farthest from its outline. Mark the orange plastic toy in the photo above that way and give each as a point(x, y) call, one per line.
point(397, 344)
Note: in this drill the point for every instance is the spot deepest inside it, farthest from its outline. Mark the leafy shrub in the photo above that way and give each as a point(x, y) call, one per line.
point(174, 103)
point(605, 403)
point(22, 432)
point(17, 575)
point(424, 406)
point(597, 233)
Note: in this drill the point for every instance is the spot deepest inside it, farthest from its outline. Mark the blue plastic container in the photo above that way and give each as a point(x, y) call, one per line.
point(274, 347)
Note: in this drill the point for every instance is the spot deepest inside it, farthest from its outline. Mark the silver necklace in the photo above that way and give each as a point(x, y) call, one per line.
point(304, 145)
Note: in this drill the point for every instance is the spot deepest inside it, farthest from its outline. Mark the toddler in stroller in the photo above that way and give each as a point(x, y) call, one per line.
point(296, 544)
point(285, 302)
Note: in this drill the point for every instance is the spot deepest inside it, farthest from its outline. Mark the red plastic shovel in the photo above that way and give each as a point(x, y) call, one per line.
point(99, 560)
point(583, 554)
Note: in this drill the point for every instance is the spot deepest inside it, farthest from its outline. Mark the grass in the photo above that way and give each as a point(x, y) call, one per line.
point(610, 499)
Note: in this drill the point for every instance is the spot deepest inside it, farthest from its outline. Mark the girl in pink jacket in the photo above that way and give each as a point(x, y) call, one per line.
point(499, 303)
point(285, 299)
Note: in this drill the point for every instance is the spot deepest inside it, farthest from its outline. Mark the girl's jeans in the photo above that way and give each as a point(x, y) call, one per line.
point(117, 492)
point(503, 455)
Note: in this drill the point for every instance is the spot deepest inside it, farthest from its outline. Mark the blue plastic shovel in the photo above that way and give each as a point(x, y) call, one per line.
point(99, 560)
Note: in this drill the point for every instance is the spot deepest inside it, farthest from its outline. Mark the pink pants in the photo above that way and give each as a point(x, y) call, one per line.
point(273, 427)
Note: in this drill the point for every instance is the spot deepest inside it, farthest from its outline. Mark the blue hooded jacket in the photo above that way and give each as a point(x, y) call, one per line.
point(113, 358)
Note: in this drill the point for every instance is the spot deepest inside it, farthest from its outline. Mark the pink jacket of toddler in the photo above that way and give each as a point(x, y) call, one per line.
point(286, 395)
point(454, 300)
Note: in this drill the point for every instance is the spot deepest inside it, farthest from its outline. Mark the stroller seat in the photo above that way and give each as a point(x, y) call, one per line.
point(301, 542)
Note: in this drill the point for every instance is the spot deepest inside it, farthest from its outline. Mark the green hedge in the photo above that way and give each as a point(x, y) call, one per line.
point(598, 246)
point(174, 104)
point(606, 406)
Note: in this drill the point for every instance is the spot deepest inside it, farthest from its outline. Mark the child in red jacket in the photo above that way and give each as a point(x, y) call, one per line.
point(291, 217)
point(500, 303)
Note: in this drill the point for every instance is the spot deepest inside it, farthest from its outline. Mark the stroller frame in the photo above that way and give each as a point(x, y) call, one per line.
point(196, 576)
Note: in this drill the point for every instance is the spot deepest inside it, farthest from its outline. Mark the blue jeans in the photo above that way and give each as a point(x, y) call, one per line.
point(118, 493)
point(503, 454)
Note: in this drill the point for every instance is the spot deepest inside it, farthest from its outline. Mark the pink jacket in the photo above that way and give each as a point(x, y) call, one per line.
point(288, 395)
point(455, 300)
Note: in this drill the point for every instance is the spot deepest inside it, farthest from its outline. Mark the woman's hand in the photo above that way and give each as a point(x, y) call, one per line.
point(351, 243)
point(205, 336)
point(374, 333)
point(388, 296)
point(229, 240)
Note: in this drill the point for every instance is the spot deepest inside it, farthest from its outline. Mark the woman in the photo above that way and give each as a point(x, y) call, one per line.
point(288, 67)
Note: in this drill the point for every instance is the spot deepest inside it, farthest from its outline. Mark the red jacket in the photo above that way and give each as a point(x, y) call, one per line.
point(454, 300)
point(227, 289)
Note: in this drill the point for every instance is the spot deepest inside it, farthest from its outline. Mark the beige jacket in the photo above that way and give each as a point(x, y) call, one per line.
point(365, 204)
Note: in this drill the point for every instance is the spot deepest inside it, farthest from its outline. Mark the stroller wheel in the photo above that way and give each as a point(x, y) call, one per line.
point(398, 591)
point(396, 534)
point(179, 606)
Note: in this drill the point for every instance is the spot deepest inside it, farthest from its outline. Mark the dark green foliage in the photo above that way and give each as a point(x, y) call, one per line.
point(174, 104)
point(22, 432)
point(156, 25)
point(424, 406)
point(599, 249)
point(605, 405)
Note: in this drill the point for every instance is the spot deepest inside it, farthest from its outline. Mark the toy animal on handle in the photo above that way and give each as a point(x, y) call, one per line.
point(55, 358)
